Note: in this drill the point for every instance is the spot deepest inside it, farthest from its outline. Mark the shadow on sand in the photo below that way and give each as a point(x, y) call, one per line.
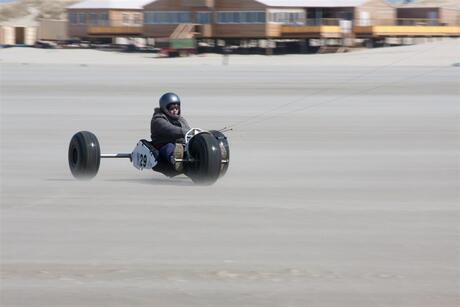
point(177, 181)
point(60, 179)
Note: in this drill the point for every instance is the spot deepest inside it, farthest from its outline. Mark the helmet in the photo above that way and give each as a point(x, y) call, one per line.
point(167, 99)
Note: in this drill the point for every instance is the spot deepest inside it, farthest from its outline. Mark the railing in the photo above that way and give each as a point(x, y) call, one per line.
point(119, 22)
point(406, 27)
point(307, 22)
point(404, 22)
point(114, 27)
point(376, 22)
point(322, 22)
point(101, 30)
point(418, 22)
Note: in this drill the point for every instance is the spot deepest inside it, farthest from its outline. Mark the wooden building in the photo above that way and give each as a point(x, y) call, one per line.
point(52, 30)
point(429, 12)
point(258, 19)
point(13, 35)
point(262, 20)
point(103, 20)
point(422, 18)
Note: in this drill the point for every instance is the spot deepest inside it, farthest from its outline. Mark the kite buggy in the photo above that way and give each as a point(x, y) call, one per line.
point(204, 156)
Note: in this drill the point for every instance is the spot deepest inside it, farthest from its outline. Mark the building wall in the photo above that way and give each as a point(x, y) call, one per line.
point(157, 31)
point(450, 16)
point(240, 31)
point(12, 35)
point(206, 30)
point(7, 36)
point(115, 19)
point(50, 29)
point(379, 12)
point(198, 3)
point(447, 16)
point(77, 31)
point(80, 30)
point(238, 5)
point(180, 5)
point(273, 30)
point(30, 36)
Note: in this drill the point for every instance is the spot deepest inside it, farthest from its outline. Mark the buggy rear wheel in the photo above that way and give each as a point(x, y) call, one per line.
point(84, 155)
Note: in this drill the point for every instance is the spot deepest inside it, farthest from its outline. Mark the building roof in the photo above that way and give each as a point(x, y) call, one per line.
point(312, 3)
point(452, 4)
point(110, 4)
point(138, 4)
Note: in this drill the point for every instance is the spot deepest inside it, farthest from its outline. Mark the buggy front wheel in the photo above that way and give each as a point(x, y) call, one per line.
point(206, 159)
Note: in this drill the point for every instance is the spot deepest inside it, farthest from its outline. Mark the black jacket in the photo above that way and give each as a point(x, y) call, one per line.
point(164, 129)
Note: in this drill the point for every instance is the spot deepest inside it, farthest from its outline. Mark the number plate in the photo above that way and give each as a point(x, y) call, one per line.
point(143, 157)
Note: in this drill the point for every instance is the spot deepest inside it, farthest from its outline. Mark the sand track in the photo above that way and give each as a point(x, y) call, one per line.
point(352, 202)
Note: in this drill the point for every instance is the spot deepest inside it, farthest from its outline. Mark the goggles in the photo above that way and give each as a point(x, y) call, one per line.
point(173, 107)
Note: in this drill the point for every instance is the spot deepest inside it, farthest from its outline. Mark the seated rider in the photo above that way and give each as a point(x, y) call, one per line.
point(168, 127)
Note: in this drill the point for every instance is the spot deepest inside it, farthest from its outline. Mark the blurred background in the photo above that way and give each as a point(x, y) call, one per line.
point(181, 28)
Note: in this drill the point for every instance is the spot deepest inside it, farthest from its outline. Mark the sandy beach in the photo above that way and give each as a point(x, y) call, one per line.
point(343, 187)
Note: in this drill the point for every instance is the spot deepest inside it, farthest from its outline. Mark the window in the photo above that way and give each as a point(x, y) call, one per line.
point(167, 17)
point(148, 17)
point(235, 17)
point(289, 18)
point(92, 18)
point(137, 19)
point(184, 17)
point(203, 17)
point(247, 17)
point(241, 17)
point(260, 17)
point(73, 18)
point(82, 18)
point(223, 17)
point(126, 19)
point(104, 19)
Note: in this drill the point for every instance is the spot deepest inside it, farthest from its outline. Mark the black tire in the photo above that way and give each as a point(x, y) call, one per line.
point(84, 155)
point(204, 149)
point(224, 150)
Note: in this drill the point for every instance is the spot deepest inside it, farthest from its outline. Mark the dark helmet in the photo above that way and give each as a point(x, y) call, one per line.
point(167, 99)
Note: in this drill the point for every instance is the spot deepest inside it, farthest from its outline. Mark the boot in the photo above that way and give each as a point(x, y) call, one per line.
point(176, 158)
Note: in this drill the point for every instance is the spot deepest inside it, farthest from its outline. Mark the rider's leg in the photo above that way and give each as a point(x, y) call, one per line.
point(166, 152)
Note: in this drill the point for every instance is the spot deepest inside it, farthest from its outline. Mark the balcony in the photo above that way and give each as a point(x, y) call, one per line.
point(115, 30)
point(335, 28)
point(116, 26)
point(406, 27)
point(326, 28)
